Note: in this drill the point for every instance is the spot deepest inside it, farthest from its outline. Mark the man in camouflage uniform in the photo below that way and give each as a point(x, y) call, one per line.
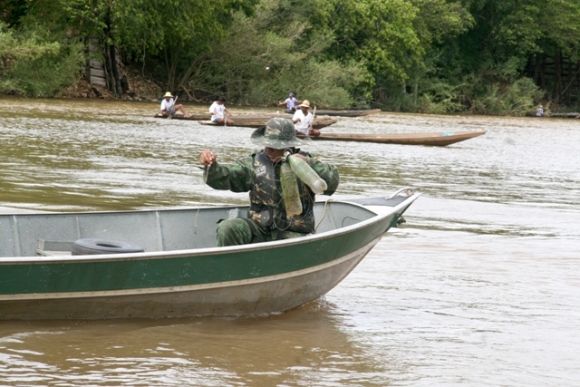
point(260, 175)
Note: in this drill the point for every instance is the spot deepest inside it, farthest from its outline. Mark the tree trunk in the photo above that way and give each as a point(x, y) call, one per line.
point(115, 79)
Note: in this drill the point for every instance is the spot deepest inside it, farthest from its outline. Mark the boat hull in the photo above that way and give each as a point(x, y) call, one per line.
point(348, 113)
point(181, 273)
point(253, 121)
point(258, 122)
point(261, 296)
point(426, 139)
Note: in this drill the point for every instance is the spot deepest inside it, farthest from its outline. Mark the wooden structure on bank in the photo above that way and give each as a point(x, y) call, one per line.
point(105, 69)
point(559, 76)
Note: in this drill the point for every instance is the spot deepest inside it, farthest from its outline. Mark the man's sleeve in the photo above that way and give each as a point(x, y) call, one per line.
point(328, 172)
point(234, 177)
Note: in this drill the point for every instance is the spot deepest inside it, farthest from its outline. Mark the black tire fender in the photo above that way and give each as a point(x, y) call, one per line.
point(91, 246)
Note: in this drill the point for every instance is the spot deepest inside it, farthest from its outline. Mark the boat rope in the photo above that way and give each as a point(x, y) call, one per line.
point(324, 213)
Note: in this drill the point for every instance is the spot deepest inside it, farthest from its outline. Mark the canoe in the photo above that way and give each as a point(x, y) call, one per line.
point(555, 115)
point(164, 263)
point(429, 139)
point(191, 117)
point(259, 121)
point(252, 121)
point(564, 115)
point(348, 113)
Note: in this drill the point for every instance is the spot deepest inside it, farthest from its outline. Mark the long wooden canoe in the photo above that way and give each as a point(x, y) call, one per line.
point(252, 121)
point(165, 263)
point(564, 115)
point(259, 121)
point(348, 113)
point(190, 117)
point(430, 139)
point(555, 115)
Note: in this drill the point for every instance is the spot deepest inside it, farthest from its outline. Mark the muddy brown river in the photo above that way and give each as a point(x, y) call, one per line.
point(481, 286)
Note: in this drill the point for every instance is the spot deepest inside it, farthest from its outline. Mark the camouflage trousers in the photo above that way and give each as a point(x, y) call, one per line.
point(241, 231)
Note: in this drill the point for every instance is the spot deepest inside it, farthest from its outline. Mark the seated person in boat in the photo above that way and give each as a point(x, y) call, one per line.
point(282, 181)
point(303, 120)
point(169, 108)
point(219, 113)
point(291, 102)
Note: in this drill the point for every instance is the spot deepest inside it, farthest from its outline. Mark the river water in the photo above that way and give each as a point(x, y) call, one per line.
point(481, 286)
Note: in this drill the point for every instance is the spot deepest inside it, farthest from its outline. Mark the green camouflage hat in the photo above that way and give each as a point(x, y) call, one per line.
point(278, 133)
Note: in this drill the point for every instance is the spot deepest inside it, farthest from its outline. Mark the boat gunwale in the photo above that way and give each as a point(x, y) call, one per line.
point(188, 288)
point(208, 251)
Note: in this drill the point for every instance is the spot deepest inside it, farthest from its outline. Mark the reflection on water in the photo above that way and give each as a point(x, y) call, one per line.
point(297, 348)
point(479, 287)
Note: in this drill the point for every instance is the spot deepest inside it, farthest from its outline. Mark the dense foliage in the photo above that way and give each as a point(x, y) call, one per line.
point(482, 56)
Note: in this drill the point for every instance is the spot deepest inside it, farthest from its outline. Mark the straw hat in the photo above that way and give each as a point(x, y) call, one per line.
point(305, 103)
point(279, 133)
point(168, 95)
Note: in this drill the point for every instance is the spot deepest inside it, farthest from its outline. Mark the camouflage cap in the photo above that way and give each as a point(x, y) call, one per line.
point(279, 133)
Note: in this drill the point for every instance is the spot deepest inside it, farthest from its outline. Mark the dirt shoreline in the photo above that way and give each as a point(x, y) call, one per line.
point(140, 89)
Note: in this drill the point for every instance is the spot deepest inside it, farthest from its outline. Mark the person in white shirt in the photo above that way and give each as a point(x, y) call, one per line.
point(219, 112)
point(169, 108)
point(291, 102)
point(303, 120)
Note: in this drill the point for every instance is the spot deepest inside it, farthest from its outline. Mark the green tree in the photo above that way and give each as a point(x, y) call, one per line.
point(392, 40)
point(276, 57)
point(169, 35)
point(490, 60)
point(31, 64)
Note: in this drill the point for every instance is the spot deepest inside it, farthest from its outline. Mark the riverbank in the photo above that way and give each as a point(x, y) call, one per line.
point(140, 89)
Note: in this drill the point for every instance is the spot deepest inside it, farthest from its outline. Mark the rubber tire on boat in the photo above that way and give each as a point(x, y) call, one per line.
point(91, 246)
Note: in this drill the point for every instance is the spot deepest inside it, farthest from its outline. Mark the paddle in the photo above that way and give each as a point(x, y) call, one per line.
point(172, 112)
point(227, 115)
point(313, 118)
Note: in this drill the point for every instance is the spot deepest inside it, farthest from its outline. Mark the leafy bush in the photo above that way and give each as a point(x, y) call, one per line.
point(516, 98)
point(325, 84)
point(439, 98)
point(47, 75)
point(32, 66)
point(273, 63)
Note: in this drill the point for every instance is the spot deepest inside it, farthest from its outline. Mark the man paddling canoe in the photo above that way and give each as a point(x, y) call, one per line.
point(169, 108)
point(303, 120)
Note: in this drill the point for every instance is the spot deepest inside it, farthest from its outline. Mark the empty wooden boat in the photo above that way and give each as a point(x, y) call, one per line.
point(429, 139)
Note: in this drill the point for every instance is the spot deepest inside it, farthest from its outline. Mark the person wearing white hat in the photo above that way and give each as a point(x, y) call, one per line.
point(303, 119)
point(169, 108)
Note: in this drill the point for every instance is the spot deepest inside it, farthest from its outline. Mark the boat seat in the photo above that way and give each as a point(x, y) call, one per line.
point(53, 248)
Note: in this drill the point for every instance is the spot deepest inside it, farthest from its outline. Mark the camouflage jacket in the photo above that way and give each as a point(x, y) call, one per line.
point(258, 175)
